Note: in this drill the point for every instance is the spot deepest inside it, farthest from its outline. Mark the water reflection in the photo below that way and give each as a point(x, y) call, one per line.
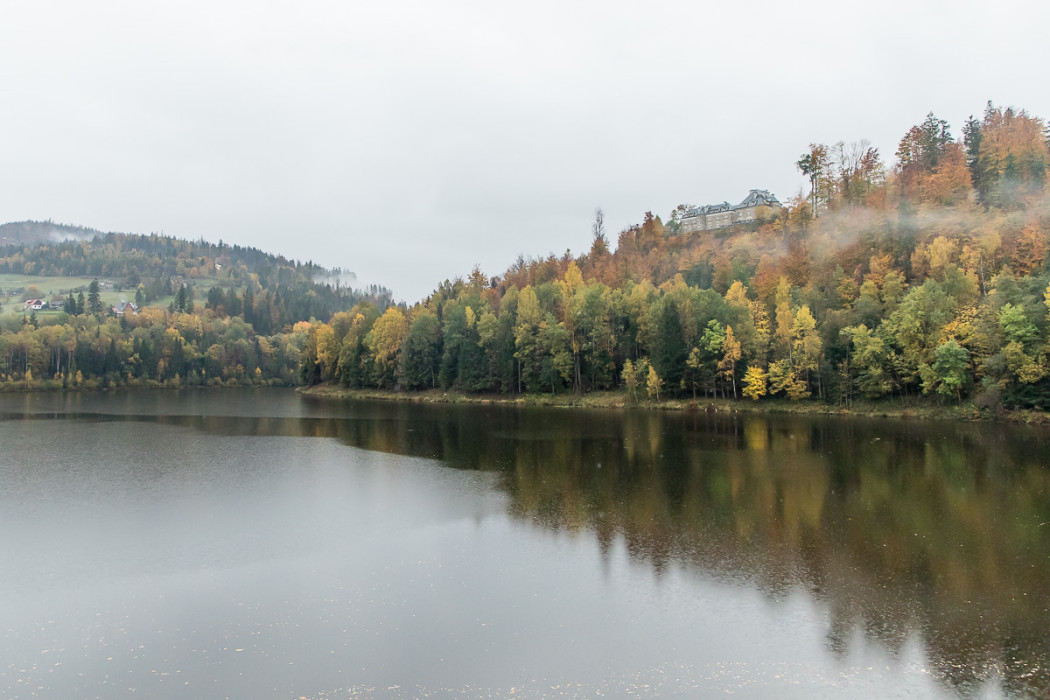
point(901, 530)
point(936, 529)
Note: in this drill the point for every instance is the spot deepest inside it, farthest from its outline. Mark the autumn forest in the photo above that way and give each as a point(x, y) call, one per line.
point(917, 277)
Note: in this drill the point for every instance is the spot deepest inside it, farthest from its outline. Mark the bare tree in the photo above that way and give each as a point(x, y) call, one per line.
point(598, 227)
point(857, 169)
point(600, 244)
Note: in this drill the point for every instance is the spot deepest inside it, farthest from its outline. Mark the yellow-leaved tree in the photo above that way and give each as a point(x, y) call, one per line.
point(385, 341)
point(755, 379)
point(653, 384)
point(731, 354)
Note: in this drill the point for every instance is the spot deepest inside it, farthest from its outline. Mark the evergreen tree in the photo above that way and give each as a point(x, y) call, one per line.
point(972, 142)
point(248, 310)
point(94, 299)
point(670, 351)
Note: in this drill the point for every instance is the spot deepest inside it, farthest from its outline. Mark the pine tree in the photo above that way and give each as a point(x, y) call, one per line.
point(94, 299)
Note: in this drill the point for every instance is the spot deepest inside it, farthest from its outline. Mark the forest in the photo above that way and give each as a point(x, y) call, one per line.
point(922, 278)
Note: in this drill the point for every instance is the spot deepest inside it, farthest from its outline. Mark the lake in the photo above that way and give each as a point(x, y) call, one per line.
point(255, 543)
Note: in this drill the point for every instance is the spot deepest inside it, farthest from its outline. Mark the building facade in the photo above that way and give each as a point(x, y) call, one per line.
point(715, 216)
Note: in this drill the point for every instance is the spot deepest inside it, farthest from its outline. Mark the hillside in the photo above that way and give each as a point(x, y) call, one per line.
point(200, 313)
point(150, 268)
point(924, 277)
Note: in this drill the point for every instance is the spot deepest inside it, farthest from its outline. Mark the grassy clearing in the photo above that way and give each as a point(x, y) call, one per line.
point(47, 286)
point(51, 287)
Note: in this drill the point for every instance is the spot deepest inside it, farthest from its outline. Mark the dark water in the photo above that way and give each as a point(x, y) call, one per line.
point(255, 544)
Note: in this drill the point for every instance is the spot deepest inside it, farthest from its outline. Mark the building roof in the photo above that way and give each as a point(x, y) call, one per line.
point(754, 198)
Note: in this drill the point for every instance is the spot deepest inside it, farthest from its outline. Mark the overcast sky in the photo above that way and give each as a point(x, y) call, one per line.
point(408, 141)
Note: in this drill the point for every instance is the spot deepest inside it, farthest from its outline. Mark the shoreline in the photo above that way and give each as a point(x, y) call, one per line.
point(918, 408)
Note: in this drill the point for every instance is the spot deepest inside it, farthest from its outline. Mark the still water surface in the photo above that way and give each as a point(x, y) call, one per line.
point(254, 544)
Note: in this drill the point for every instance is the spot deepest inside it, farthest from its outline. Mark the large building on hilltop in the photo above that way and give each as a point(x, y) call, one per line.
point(714, 216)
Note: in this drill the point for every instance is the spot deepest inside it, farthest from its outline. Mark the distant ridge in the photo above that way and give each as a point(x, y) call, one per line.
point(37, 232)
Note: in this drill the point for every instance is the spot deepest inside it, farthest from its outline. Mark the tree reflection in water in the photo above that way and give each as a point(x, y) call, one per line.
point(901, 529)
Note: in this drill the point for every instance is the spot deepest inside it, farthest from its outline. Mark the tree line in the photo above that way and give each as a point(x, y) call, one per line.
point(152, 348)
